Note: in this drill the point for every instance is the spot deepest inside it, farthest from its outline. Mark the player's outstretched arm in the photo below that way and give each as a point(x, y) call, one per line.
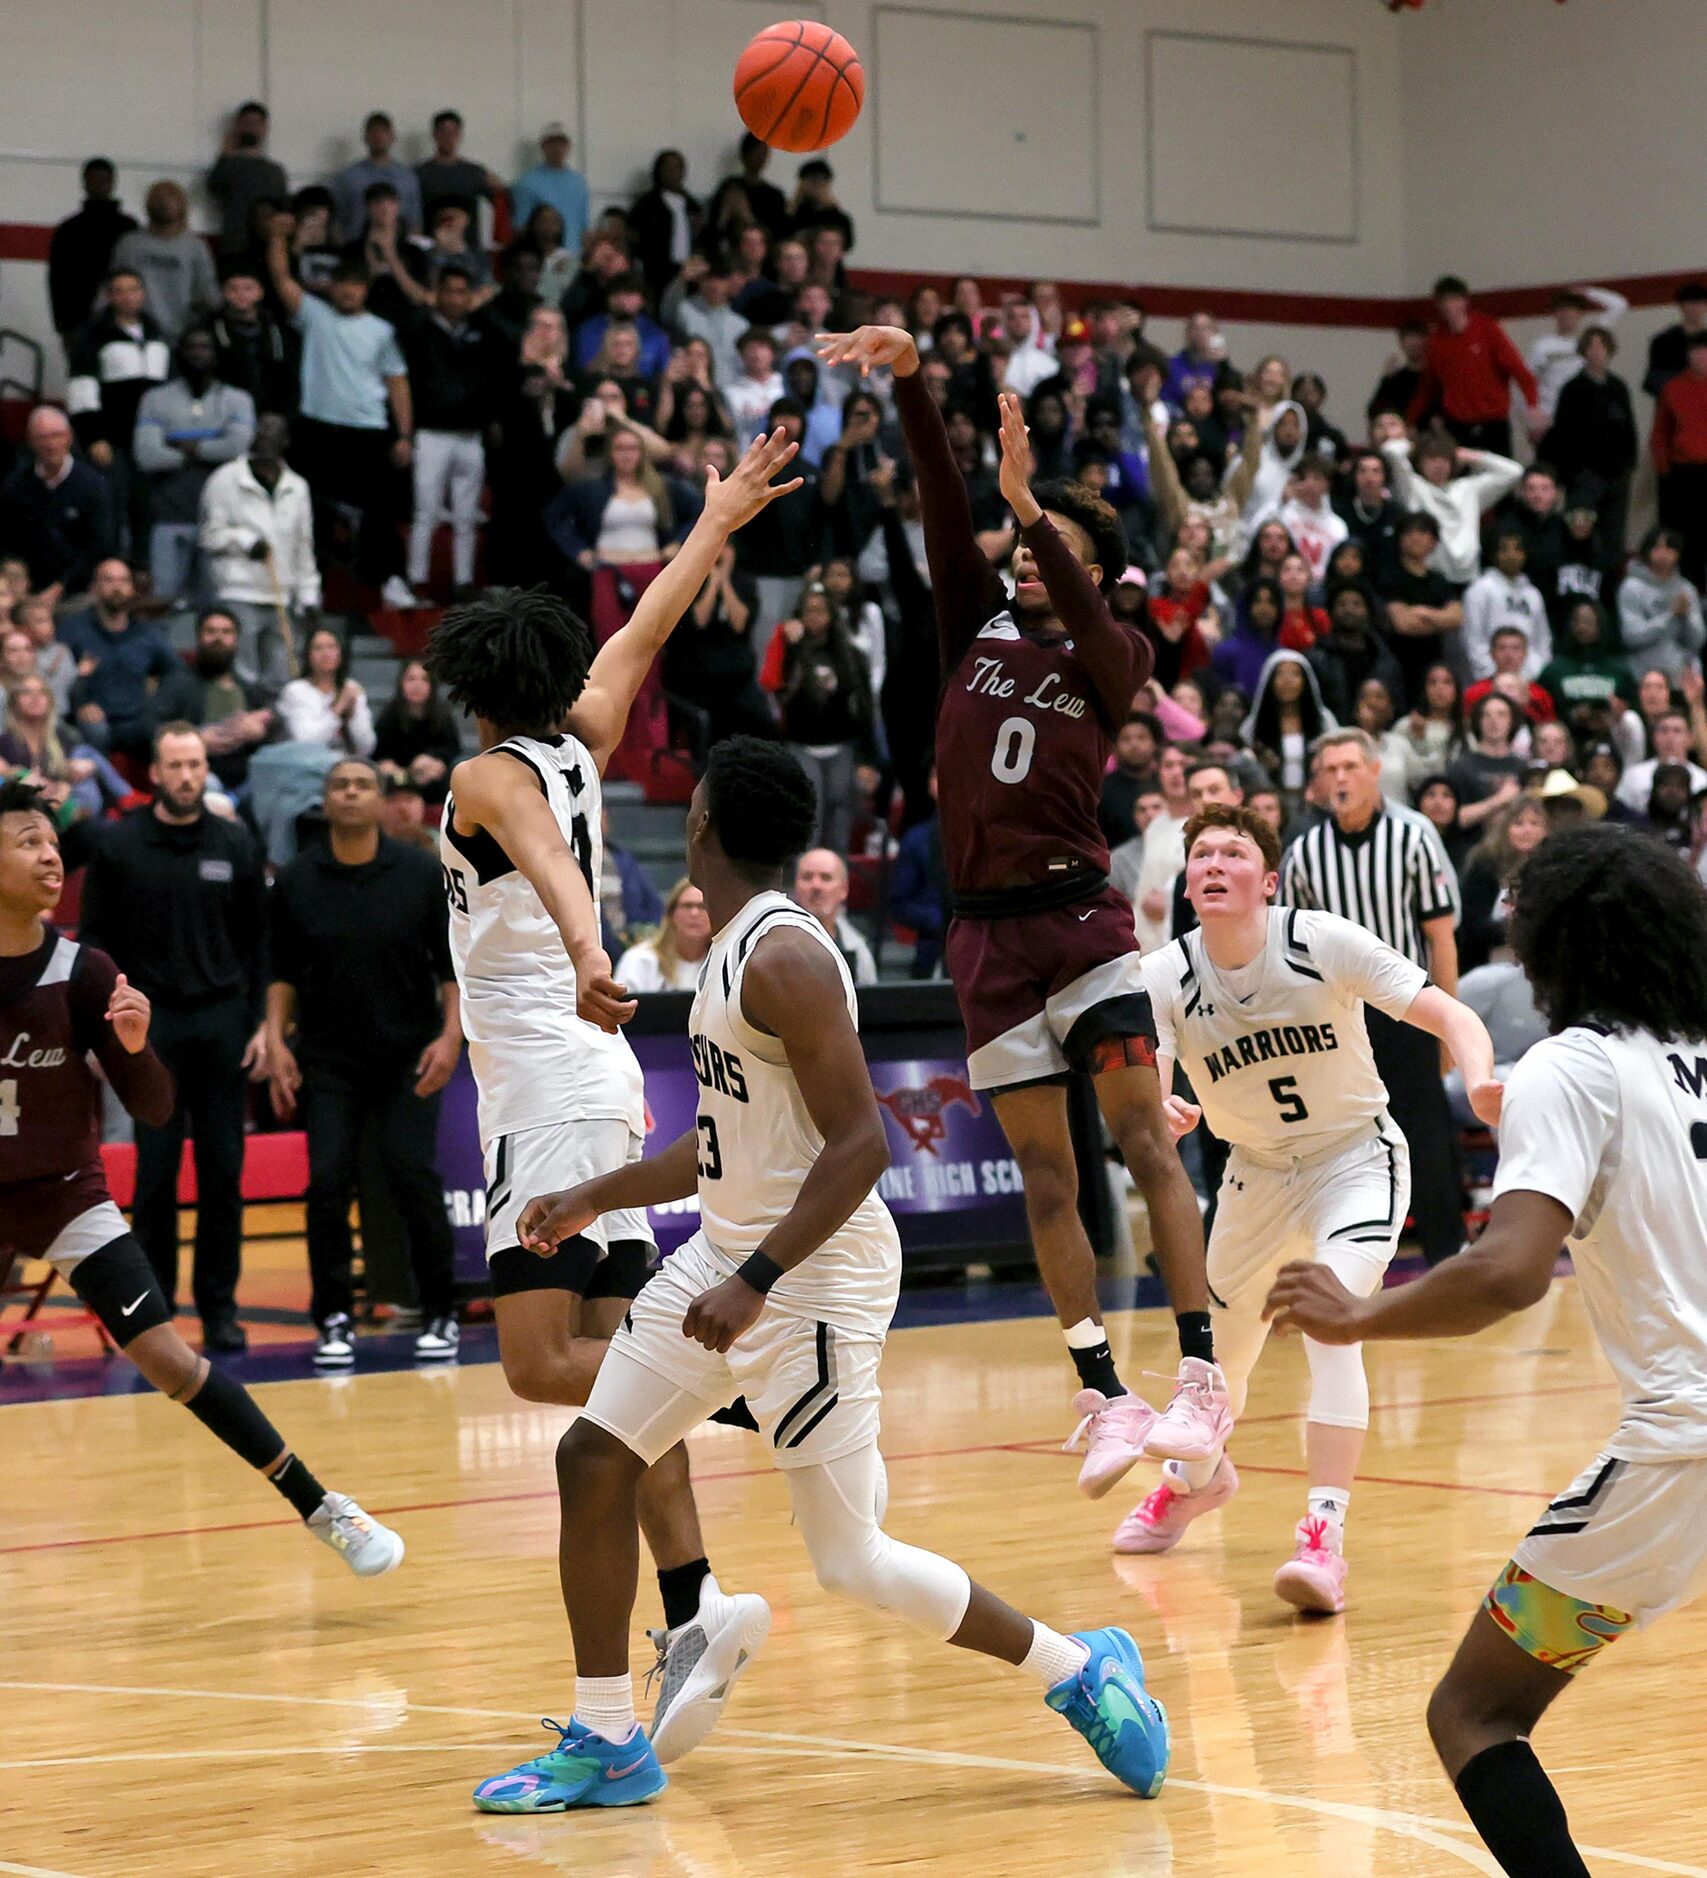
point(114, 1020)
point(967, 590)
point(1466, 1036)
point(497, 793)
point(793, 990)
point(1506, 1270)
point(546, 1222)
point(601, 712)
point(1119, 661)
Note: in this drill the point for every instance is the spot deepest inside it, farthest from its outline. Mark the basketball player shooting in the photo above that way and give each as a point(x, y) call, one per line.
point(560, 1091)
point(1041, 948)
point(1603, 1139)
point(61, 1004)
point(785, 1296)
point(1264, 1008)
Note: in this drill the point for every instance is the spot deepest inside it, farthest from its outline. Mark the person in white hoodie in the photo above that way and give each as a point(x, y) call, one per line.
point(1423, 479)
point(1554, 358)
point(1504, 595)
point(1659, 612)
point(1309, 516)
point(257, 532)
point(1284, 432)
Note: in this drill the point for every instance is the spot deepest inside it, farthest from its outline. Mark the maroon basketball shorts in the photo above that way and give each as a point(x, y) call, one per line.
point(61, 1217)
point(1040, 993)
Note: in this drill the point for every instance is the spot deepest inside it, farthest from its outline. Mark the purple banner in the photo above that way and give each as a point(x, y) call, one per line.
point(952, 1184)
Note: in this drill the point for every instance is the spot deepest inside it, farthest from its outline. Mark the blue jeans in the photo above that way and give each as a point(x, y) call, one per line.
point(175, 565)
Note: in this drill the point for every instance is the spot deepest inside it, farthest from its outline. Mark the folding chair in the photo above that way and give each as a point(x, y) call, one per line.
point(16, 1287)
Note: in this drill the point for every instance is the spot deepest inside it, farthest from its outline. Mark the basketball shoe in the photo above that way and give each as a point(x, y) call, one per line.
point(1314, 1577)
point(699, 1663)
point(1107, 1703)
point(1112, 1431)
point(1158, 1522)
point(584, 1769)
point(368, 1548)
point(1199, 1418)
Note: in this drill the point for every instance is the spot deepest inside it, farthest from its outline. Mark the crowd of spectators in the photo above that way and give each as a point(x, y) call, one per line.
point(298, 403)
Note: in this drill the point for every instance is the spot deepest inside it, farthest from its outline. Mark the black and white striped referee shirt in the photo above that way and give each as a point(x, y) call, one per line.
point(1389, 878)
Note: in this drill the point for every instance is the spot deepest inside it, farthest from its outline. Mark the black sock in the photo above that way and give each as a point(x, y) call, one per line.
point(679, 1588)
point(1096, 1368)
point(1195, 1336)
point(1520, 1816)
point(299, 1486)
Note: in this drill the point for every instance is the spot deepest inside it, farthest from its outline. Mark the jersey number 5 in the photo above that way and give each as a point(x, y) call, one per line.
point(710, 1155)
point(1284, 1089)
point(1010, 761)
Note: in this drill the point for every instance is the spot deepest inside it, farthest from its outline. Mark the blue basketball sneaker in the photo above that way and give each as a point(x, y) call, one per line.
point(1107, 1703)
point(584, 1769)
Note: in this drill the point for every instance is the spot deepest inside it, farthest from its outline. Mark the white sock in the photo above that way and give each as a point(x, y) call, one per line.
point(1052, 1657)
point(606, 1705)
point(1329, 1503)
point(1086, 1334)
point(1189, 1476)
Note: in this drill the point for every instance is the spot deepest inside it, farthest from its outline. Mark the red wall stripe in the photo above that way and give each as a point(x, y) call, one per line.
point(28, 241)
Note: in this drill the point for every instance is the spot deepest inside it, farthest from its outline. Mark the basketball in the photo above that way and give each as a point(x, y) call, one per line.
point(799, 86)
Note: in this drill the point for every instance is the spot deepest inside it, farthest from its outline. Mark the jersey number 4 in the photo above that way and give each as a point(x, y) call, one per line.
point(10, 1113)
point(1284, 1089)
point(710, 1154)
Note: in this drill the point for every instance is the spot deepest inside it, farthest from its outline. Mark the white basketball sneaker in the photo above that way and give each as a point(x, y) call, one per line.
point(700, 1662)
point(368, 1548)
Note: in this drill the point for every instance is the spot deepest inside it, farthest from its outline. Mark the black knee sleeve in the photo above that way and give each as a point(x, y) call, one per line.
point(226, 1409)
point(118, 1285)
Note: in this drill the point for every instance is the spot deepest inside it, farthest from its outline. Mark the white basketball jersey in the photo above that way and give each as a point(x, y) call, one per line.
point(535, 1061)
point(758, 1142)
point(1277, 1052)
point(1614, 1127)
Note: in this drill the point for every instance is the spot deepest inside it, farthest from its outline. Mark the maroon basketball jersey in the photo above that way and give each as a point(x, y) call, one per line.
point(1021, 748)
point(50, 1099)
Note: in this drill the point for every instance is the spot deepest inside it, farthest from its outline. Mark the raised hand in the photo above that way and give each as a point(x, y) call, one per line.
point(871, 348)
point(128, 1011)
point(733, 500)
point(1016, 469)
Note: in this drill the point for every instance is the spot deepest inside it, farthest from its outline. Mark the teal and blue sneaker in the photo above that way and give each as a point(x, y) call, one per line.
point(1107, 1703)
point(584, 1769)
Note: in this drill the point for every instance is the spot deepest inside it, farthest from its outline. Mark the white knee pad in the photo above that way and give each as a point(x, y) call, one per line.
point(855, 1558)
point(1339, 1389)
point(1239, 1339)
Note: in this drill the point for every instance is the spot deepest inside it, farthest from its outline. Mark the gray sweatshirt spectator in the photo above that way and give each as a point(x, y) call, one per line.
point(1659, 612)
point(350, 185)
point(175, 266)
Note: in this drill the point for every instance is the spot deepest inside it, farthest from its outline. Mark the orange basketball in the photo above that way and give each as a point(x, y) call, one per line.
point(799, 85)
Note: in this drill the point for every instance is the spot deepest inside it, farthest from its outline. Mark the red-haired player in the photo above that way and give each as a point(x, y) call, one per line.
point(1041, 949)
point(60, 1004)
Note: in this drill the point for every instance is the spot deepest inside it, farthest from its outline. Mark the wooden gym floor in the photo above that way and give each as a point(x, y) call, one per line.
point(189, 1686)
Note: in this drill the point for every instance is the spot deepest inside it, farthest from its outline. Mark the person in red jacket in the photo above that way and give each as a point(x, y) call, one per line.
point(1679, 445)
point(1469, 368)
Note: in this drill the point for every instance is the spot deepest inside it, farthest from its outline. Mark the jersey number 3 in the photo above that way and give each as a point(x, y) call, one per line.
point(710, 1155)
point(1284, 1089)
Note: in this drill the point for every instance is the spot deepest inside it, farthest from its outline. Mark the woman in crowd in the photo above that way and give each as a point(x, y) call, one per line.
point(1437, 801)
point(1433, 729)
point(30, 741)
point(326, 705)
point(617, 361)
point(533, 418)
point(671, 959)
point(709, 674)
point(689, 416)
point(1488, 874)
point(416, 736)
point(1287, 716)
point(1181, 624)
point(1376, 711)
point(543, 231)
point(1240, 657)
point(824, 699)
point(1489, 773)
point(17, 657)
point(1348, 562)
point(1283, 433)
point(863, 618)
point(1301, 624)
point(1266, 555)
point(1214, 556)
point(1659, 611)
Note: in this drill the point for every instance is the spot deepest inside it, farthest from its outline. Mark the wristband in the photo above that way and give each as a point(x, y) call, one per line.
point(759, 1272)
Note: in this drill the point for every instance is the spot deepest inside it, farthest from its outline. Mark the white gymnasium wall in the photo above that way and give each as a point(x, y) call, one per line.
point(1086, 139)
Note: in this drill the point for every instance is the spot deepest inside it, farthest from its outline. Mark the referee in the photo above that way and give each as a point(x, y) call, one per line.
point(1383, 867)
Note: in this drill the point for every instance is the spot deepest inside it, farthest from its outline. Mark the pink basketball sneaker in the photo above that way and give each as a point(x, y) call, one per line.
point(1199, 1418)
point(1111, 1431)
point(1158, 1522)
point(1313, 1578)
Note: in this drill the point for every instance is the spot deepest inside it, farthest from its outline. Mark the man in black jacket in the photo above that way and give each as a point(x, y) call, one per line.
point(361, 962)
point(56, 513)
point(82, 249)
point(453, 372)
point(256, 353)
point(177, 897)
point(1353, 652)
point(118, 356)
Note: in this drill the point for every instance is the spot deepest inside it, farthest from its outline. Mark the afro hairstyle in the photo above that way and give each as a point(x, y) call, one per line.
point(1096, 518)
point(761, 802)
point(517, 657)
